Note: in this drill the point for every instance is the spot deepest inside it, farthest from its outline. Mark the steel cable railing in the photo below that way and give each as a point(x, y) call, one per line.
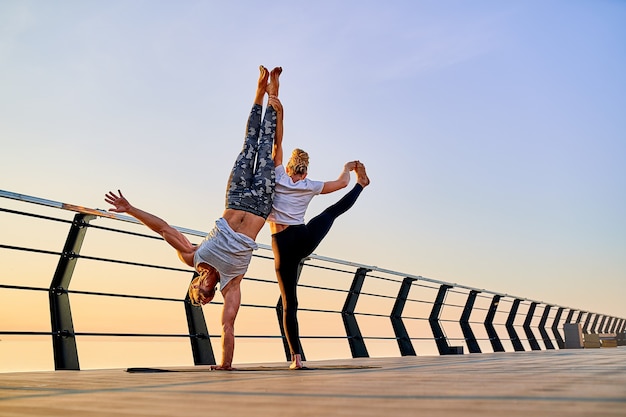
point(453, 325)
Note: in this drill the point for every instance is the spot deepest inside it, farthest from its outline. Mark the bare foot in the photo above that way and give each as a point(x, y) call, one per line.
point(262, 85)
point(297, 362)
point(264, 76)
point(222, 368)
point(361, 175)
point(272, 87)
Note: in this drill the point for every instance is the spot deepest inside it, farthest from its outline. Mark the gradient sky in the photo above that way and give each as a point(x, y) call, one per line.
point(493, 132)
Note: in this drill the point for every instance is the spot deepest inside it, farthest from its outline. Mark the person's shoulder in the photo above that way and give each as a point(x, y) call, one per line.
point(314, 185)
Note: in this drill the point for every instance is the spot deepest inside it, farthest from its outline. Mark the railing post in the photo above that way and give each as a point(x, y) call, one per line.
point(510, 328)
point(529, 333)
point(614, 324)
point(542, 328)
point(470, 339)
point(440, 337)
point(355, 339)
point(199, 337)
point(604, 324)
point(586, 324)
point(555, 327)
point(491, 331)
point(279, 316)
point(580, 316)
point(402, 336)
point(63, 338)
point(595, 323)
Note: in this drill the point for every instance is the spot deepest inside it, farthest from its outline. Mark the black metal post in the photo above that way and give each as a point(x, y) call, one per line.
point(355, 339)
point(609, 324)
point(614, 325)
point(601, 326)
point(63, 338)
point(510, 328)
point(529, 333)
point(470, 339)
point(542, 328)
point(580, 316)
point(555, 327)
point(586, 325)
point(595, 323)
point(402, 336)
point(199, 337)
point(491, 331)
point(605, 325)
point(281, 325)
point(433, 319)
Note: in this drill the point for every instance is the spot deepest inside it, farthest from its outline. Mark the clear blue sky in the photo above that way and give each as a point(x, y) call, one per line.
point(493, 131)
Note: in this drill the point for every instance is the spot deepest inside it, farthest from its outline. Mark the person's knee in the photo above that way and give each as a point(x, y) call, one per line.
point(290, 307)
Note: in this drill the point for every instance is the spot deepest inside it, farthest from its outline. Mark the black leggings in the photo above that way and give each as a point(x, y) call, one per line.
point(292, 245)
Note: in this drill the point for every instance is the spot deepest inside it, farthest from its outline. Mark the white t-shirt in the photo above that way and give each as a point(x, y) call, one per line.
point(291, 199)
point(225, 250)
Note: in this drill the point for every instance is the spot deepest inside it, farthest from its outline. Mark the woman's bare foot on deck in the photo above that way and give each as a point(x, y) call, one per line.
point(222, 368)
point(361, 175)
point(272, 87)
point(297, 362)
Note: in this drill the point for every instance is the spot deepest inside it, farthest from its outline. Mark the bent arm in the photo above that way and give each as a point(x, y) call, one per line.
point(342, 181)
point(172, 236)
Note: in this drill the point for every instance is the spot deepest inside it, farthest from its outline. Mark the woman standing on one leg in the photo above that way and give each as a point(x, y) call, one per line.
point(292, 239)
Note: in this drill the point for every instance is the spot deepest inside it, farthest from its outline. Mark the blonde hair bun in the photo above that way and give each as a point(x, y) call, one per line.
point(298, 163)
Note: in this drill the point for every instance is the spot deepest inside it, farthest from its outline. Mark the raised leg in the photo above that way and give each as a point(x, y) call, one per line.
point(242, 175)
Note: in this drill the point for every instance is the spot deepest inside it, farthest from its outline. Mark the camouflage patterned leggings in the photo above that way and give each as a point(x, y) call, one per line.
point(252, 180)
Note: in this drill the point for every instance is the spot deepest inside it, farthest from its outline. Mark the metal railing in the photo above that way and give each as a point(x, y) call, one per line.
point(454, 317)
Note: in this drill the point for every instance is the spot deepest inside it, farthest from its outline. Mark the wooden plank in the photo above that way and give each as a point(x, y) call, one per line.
point(577, 382)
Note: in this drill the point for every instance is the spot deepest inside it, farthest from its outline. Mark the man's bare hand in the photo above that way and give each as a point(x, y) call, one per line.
point(350, 166)
point(121, 205)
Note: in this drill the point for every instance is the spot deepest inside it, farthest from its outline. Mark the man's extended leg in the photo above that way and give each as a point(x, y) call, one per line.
point(264, 176)
point(241, 176)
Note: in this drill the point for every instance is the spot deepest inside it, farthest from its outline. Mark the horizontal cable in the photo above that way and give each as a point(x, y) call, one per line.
point(20, 248)
point(22, 287)
point(38, 216)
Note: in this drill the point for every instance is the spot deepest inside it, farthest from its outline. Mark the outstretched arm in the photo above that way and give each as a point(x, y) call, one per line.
point(277, 151)
point(172, 236)
point(342, 181)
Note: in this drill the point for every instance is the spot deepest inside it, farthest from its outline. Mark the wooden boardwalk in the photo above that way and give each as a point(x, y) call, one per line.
point(585, 382)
